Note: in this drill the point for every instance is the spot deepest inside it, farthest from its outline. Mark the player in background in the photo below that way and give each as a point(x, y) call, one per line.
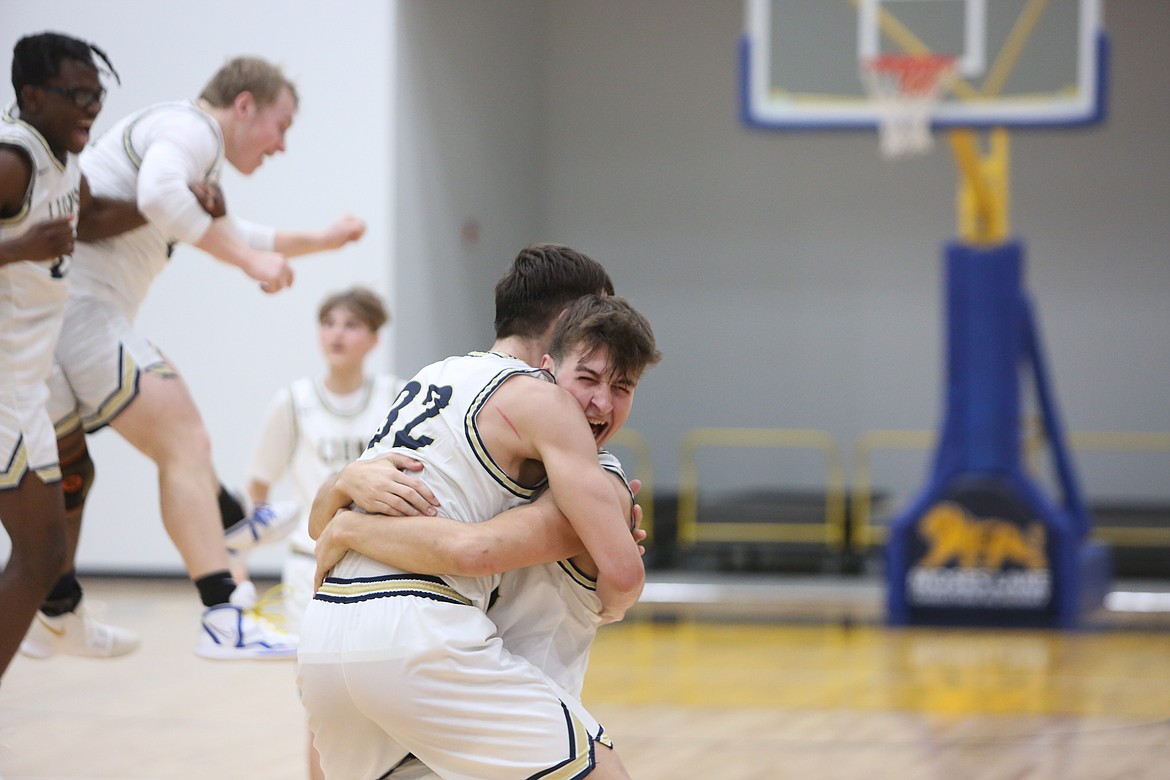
point(314, 427)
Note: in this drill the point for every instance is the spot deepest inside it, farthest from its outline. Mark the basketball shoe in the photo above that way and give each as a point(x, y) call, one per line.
point(76, 633)
point(241, 630)
point(268, 523)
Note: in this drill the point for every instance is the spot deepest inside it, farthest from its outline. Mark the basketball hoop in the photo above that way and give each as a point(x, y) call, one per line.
point(906, 88)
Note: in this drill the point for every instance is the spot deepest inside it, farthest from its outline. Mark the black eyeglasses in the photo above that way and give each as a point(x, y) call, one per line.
point(82, 97)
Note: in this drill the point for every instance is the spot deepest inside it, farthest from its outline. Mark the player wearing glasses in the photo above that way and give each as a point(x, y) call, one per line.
point(44, 202)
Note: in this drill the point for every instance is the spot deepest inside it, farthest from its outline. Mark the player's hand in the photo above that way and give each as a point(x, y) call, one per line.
point(348, 228)
point(271, 269)
point(636, 517)
point(48, 240)
point(210, 197)
point(330, 550)
point(381, 486)
point(639, 533)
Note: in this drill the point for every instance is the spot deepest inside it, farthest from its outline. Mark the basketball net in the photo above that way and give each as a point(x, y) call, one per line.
point(906, 89)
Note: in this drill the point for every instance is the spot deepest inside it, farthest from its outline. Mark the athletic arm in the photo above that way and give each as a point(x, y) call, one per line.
point(99, 217)
point(169, 165)
point(275, 446)
point(527, 535)
point(294, 243)
point(42, 241)
point(377, 486)
point(556, 428)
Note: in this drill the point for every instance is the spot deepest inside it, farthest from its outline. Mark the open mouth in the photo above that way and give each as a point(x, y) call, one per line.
point(599, 429)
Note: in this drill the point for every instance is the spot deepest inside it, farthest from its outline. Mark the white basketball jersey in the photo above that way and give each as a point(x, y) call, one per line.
point(54, 190)
point(122, 268)
point(549, 614)
point(33, 294)
point(327, 438)
point(434, 421)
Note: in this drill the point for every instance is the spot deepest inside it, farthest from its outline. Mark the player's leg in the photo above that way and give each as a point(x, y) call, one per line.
point(348, 743)
point(430, 673)
point(608, 765)
point(64, 624)
point(163, 423)
point(33, 514)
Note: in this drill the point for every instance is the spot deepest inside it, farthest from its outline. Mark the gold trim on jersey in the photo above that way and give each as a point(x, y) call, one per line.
point(577, 576)
point(472, 431)
point(136, 160)
point(126, 391)
point(22, 143)
point(367, 390)
point(18, 466)
point(67, 424)
point(13, 120)
point(580, 761)
point(342, 590)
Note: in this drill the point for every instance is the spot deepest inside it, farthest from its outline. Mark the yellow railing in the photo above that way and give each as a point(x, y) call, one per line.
point(866, 533)
point(1131, 442)
point(691, 531)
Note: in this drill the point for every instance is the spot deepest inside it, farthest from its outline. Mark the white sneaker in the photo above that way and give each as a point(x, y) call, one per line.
point(76, 633)
point(268, 523)
point(241, 631)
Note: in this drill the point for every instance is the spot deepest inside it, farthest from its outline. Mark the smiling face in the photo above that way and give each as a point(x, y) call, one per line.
point(258, 131)
point(605, 399)
point(53, 107)
point(345, 339)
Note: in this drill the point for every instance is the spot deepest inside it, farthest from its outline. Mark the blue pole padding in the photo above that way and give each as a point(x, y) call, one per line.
point(984, 346)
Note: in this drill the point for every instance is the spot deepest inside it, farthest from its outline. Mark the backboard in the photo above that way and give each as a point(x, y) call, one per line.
point(1020, 63)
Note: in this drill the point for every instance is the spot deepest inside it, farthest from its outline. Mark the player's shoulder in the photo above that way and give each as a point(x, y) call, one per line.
point(533, 394)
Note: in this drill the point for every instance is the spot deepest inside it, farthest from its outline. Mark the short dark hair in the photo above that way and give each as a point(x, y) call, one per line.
point(364, 304)
point(248, 74)
point(595, 321)
point(37, 58)
point(542, 281)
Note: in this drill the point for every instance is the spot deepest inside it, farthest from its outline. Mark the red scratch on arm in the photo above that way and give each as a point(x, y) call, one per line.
point(509, 422)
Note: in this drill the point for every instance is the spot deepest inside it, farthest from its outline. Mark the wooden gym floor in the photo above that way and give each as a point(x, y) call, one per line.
point(735, 679)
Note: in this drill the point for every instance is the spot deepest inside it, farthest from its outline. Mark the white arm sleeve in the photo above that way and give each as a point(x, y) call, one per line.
point(163, 195)
point(260, 237)
point(278, 437)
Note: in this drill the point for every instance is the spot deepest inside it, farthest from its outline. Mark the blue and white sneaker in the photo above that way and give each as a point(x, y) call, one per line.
point(268, 523)
point(241, 631)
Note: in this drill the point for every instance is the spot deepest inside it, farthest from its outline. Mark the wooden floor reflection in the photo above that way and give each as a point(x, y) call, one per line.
point(804, 684)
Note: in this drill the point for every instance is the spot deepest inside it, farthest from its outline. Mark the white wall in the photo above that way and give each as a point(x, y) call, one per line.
point(469, 152)
point(234, 345)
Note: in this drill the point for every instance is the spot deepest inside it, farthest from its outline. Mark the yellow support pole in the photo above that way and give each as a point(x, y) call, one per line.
point(983, 196)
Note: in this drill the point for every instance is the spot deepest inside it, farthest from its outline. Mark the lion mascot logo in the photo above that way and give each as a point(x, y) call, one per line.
point(953, 536)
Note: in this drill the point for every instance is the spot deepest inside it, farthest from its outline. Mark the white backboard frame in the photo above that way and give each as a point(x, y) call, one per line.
point(768, 101)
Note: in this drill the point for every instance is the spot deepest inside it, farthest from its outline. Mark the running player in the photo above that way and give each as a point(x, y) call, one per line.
point(392, 661)
point(43, 198)
point(110, 375)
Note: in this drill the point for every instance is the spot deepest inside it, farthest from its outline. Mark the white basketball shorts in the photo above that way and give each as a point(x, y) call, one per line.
point(392, 664)
point(99, 359)
point(32, 303)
